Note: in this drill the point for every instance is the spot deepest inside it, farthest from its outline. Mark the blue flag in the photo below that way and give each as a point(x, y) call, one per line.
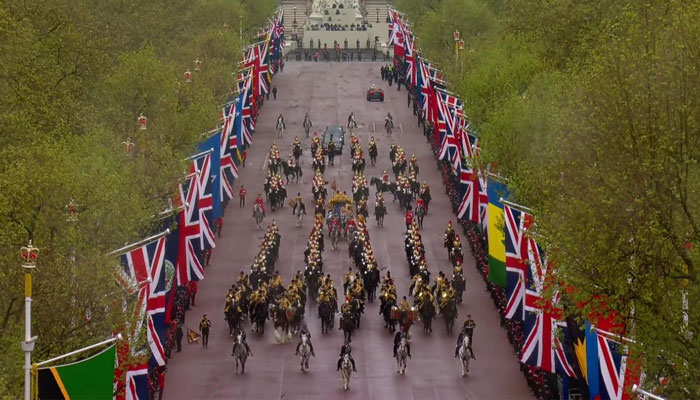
point(214, 142)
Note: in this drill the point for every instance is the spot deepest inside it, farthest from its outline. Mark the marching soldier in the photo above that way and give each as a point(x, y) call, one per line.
point(204, 326)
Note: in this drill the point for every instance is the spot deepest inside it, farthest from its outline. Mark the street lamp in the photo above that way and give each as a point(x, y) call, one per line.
point(72, 210)
point(29, 255)
point(142, 122)
point(456, 37)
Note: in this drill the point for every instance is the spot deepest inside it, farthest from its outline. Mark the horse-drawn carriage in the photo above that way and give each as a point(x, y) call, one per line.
point(339, 214)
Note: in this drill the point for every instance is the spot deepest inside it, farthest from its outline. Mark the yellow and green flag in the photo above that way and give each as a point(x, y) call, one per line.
point(89, 379)
point(496, 232)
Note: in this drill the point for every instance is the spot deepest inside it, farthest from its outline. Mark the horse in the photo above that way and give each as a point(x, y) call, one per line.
point(388, 125)
point(240, 352)
point(459, 285)
point(335, 236)
point(304, 352)
point(373, 155)
point(280, 128)
point(420, 213)
point(348, 325)
point(299, 214)
point(464, 355)
point(449, 314)
point(346, 371)
point(385, 310)
point(258, 316)
point(327, 315)
point(371, 281)
point(383, 187)
point(258, 215)
point(427, 313)
point(297, 151)
point(379, 213)
point(402, 356)
point(293, 172)
point(281, 322)
point(233, 317)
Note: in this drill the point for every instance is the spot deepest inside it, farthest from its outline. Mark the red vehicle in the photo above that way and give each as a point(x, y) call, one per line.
point(375, 93)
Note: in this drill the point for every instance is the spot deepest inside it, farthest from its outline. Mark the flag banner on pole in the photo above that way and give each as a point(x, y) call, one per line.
point(496, 234)
point(89, 379)
point(213, 182)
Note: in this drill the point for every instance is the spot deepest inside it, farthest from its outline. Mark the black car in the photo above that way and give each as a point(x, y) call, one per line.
point(336, 134)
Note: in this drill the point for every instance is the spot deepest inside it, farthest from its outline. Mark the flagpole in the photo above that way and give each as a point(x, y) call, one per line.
point(514, 205)
point(613, 336)
point(636, 389)
point(74, 352)
point(147, 240)
point(202, 154)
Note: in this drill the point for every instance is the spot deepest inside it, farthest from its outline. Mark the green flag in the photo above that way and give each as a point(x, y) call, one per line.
point(496, 233)
point(91, 378)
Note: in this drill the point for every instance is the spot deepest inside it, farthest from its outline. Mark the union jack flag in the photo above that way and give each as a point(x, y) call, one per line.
point(411, 70)
point(612, 368)
point(137, 383)
point(202, 167)
point(144, 265)
point(543, 321)
point(517, 222)
point(262, 74)
point(423, 76)
point(450, 108)
point(229, 170)
point(467, 208)
point(244, 125)
point(189, 266)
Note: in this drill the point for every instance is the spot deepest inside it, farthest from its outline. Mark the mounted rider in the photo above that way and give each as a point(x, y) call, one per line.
point(305, 331)
point(298, 202)
point(467, 329)
point(346, 349)
point(385, 178)
point(307, 124)
point(397, 341)
point(259, 201)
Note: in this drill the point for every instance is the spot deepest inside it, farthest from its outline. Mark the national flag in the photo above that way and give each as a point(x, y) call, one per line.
point(172, 249)
point(542, 346)
point(244, 124)
point(450, 108)
point(90, 378)
point(201, 167)
point(144, 265)
point(424, 92)
point(228, 145)
point(516, 223)
point(411, 67)
point(483, 200)
point(136, 384)
point(496, 237)
point(262, 58)
point(189, 265)
point(213, 184)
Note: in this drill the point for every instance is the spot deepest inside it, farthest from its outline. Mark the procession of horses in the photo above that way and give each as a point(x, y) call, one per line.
point(262, 294)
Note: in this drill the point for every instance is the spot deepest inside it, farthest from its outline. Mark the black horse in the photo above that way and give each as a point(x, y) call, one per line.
point(459, 285)
point(373, 154)
point(258, 316)
point(427, 313)
point(382, 187)
point(327, 315)
point(297, 152)
point(379, 213)
point(293, 172)
point(370, 278)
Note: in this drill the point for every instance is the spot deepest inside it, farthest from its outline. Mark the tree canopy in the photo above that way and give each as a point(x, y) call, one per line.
point(76, 75)
point(591, 110)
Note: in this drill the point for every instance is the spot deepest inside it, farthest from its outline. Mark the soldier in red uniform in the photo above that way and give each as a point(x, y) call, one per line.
point(259, 200)
point(409, 217)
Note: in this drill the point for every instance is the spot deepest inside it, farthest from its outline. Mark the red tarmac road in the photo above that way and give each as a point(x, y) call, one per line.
point(329, 92)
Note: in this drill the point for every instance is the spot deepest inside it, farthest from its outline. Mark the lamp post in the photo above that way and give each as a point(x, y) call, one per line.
point(143, 121)
point(456, 37)
point(29, 256)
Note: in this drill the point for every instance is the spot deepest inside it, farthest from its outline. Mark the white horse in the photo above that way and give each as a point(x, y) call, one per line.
point(280, 127)
point(465, 355)
point(258, 215)
point(305, 352)
point(298, 212)
point(402, 356)
point(240, 352)
point(346, 371)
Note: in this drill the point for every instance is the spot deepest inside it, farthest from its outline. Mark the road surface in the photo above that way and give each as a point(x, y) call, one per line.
point(329, 92)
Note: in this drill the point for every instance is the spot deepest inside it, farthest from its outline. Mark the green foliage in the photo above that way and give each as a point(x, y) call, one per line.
point(76, 75)
point(591, 109)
